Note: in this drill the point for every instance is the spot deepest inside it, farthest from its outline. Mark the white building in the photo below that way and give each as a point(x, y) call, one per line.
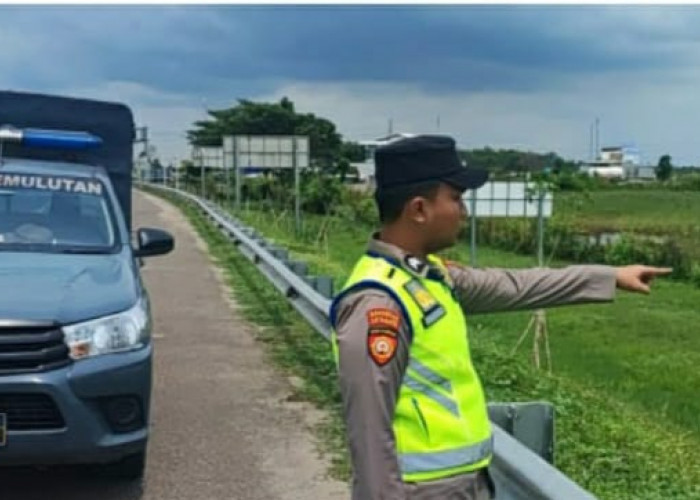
point(618, 162)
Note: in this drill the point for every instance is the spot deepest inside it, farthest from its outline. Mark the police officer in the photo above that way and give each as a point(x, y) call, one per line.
point(414, 406)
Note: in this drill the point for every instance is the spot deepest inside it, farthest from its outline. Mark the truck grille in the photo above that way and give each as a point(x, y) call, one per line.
point(31, 347)
point(29, 412)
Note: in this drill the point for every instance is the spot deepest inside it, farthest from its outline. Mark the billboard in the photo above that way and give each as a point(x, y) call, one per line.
point(208, 157)
point(508, 199)
point(271, 152)
point(250, 153)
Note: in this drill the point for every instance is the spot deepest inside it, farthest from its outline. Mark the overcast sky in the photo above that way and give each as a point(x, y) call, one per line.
point(532, 78)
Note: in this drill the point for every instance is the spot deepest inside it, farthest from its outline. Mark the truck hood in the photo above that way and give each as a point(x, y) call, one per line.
point(65, 288)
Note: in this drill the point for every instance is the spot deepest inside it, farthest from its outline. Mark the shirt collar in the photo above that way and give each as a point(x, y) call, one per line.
point(400, 258)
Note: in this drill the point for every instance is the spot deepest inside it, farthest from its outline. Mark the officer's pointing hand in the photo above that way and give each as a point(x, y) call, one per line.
point(637, 278)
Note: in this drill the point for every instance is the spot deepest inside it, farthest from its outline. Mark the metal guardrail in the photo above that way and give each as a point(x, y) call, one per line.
point(519, 473)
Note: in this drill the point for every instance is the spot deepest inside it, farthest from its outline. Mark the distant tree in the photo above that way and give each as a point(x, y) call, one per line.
point(664, 169)
point(510, 160)
point(353, 151)
point(279, 118)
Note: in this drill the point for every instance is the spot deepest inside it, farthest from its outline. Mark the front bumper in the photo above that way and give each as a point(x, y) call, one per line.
point(78, 391)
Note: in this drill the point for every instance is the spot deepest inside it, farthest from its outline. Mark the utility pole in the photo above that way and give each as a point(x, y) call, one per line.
point(597, 138)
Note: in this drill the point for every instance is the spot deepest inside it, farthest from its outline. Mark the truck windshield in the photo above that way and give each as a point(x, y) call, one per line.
point(58, 214)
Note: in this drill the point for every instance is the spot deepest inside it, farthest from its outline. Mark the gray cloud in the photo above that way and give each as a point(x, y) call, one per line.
point(447, 48)
point(553, 65)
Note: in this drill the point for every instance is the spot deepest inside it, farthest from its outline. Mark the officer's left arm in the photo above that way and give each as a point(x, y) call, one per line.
point(373, 345)
point(493, 290)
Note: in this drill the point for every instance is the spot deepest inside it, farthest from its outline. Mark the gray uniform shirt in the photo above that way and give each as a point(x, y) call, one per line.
point(369, 391)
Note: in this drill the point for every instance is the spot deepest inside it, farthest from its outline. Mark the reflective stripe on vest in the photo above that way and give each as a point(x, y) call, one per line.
point(412, 463)
point(419, 386)
point(430, 375)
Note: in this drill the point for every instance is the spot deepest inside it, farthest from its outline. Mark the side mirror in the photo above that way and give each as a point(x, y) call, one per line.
point(153, 242)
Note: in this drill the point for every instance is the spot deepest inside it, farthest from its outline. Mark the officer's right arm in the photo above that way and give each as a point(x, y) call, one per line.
point(373, 344)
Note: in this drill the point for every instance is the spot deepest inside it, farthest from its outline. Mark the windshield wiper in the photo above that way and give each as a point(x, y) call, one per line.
point(85, 250)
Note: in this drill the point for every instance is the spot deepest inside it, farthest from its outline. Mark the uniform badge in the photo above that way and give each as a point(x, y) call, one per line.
point(415, 264)
point(422, 297)
point(382, 334)
point(379, 317)
point(381, 346)
point(431, 308)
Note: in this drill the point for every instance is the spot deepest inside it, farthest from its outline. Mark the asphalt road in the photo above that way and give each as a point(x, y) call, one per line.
point(221, 426)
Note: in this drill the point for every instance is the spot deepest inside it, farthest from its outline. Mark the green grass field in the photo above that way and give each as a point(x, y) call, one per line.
point(657, 212)
point(653, 211)
point(624, 383)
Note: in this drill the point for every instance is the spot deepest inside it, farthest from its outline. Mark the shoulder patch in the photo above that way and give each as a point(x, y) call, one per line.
point(379, 317)
point(381, 346)
point(382, 334)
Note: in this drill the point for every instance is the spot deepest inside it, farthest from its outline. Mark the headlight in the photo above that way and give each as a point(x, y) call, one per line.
point(120, 332)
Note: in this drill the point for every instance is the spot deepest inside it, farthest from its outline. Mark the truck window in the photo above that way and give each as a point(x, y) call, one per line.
point(55, 214)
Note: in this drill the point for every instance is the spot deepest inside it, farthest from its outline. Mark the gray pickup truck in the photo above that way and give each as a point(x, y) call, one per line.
point(75, 322)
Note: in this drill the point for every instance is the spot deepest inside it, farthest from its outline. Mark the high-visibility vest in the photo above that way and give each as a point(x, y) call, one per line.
point(441, 425)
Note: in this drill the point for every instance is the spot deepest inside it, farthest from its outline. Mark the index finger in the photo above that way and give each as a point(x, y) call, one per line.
point(660, 271)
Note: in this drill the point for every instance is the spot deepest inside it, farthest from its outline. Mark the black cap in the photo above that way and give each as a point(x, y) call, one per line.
point(424, 158)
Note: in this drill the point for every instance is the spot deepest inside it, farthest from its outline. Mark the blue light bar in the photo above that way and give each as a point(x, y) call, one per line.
point(50, 139)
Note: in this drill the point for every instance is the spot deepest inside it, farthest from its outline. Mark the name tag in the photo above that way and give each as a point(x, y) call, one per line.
point(431, 308)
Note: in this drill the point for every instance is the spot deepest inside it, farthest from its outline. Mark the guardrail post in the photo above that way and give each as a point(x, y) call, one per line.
point(530, 423)
point(299, 268)
point(280, 254)
point(324, 286)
